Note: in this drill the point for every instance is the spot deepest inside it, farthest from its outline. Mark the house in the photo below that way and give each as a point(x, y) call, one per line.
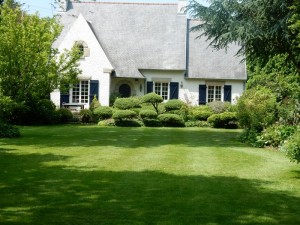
point(130, 49)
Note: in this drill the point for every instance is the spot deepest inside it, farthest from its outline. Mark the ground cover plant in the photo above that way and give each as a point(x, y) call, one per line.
point(89, 175)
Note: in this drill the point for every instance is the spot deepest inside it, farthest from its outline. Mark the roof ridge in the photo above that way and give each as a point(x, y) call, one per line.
point(126, 3)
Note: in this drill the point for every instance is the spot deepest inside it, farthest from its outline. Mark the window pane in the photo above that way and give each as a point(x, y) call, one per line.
point(157, 88)
point(210, 94)
point(218, 93)
point(164, 92)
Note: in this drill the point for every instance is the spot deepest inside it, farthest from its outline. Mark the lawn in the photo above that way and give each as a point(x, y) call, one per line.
point(88, 175)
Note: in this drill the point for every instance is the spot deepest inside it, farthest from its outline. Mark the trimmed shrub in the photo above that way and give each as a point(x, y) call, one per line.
point(127, 103)
point(275, 135)
point(86, 116)
point(9, 131)
point(173, 104)
point(171, 120)
point(292, 147)
point(124, 115)
point(197, 124)
point(129, 123)
point(154, 99)
point(201, 113)
point(223, 120)
point(148, 114)
point(218, 107)
point(45, 112)
point(64, 115)
point(103, 112)
point(94, 104)
point(152, 122)
point(107, 123)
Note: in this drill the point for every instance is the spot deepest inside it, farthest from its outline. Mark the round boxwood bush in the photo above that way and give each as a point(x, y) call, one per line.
point(201, 113)
point(173, 104)
point(127, 103)
point(171, 120)
point(86, 115)
point(107, 123)
point(148, 114)
point(154, 99)
point(64, 115)
point(218, 106)
point(223, 120)
point(103, 112)
point(124, 115)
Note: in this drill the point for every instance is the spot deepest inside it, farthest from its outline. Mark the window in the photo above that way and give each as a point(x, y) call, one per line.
point(162, 89)
point(80, 92)
point(83, 48)
point(214, 93)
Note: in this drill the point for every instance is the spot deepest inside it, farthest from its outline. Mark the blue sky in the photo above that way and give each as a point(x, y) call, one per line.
point(46, 7)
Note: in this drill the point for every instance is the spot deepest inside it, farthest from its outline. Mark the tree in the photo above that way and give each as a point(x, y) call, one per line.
point(260, 27)
point(29, 67)
point(154, 99)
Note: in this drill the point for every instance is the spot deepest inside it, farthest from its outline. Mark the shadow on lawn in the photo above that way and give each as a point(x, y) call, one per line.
point(32, 193)
point(88, 136)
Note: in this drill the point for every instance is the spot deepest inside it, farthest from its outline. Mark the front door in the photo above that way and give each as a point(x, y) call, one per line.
point(125, 90)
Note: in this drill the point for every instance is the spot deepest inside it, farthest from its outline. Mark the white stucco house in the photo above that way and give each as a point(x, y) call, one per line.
point(132, 49)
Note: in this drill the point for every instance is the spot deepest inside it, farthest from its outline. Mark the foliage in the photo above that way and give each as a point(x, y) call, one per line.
point(44, 112)
point(251, 137)
point(106, 123)
point(171, 120)
point(199, 123)
point(151, 122)
point(292, 147)
point(259, 27)
point(289, 111)
point(223, 120)
point(6, 108)
point(113, 97)
point(30, 68)
point(64, 115)
point(86, 116)
point(129, 123)
point(124, 115)
point(127, 103)
point(103, 112)
point(174, 104)
point(95, 103)
point(154, 99)
point(148, 114)
point(275, 135)
point(256, 109)
point(218, 106)
point(8, 131)
point(201, 112)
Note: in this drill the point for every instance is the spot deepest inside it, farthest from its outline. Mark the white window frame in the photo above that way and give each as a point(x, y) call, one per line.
point(214, 94)
point(83, 92)
point(166, 95)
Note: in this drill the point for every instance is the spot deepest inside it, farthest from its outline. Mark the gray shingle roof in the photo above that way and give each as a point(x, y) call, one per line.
point(150, 36)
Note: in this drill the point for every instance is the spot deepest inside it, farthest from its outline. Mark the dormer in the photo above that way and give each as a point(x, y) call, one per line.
point(62, 5)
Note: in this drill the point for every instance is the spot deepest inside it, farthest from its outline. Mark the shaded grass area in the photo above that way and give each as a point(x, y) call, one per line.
point(91, 175)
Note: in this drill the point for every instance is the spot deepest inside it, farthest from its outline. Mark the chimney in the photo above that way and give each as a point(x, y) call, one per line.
point(62, 5)
point(181, 7)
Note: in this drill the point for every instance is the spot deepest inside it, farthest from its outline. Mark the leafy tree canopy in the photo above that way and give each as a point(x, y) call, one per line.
point(261, 27)
point(30, 68)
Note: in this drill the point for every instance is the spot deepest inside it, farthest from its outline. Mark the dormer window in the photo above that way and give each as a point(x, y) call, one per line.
point(83, 48)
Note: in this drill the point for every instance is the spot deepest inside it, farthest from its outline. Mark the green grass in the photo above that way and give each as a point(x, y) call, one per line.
point(88, 175)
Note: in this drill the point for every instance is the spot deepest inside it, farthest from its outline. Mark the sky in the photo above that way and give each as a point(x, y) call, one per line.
point(46, 8)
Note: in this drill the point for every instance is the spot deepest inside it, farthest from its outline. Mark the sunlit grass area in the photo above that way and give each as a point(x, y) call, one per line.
point(125, 176)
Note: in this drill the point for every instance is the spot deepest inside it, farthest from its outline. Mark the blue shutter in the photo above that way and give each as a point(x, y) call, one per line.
point(64, 97)
point(227, 93)
point(174, 90)
point(202, 94)
point(149, 87)
point(94, 89)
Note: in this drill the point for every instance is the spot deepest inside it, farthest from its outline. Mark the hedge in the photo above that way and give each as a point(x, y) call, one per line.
point(171, 120)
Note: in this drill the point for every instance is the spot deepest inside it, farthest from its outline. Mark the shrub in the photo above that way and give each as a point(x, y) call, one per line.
point(148, 114)
point(124, 114)
point(8, 131)
point(275, 135)
point(201, 113)
point(127, 103)
point(251, 137)
point(64, 115)
point(292, 147)
point(95, 103)
point(152, 122)
point(223, 120)
point(103, 112)
point(218, 107)
point(256, 109)
point(154, 99)
point(6, 108)
point(44, 112)
point(197, 124)
point(171, 120)
point(129, 123)
point(86, 116)
point(107, 123)
point(173, 104)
